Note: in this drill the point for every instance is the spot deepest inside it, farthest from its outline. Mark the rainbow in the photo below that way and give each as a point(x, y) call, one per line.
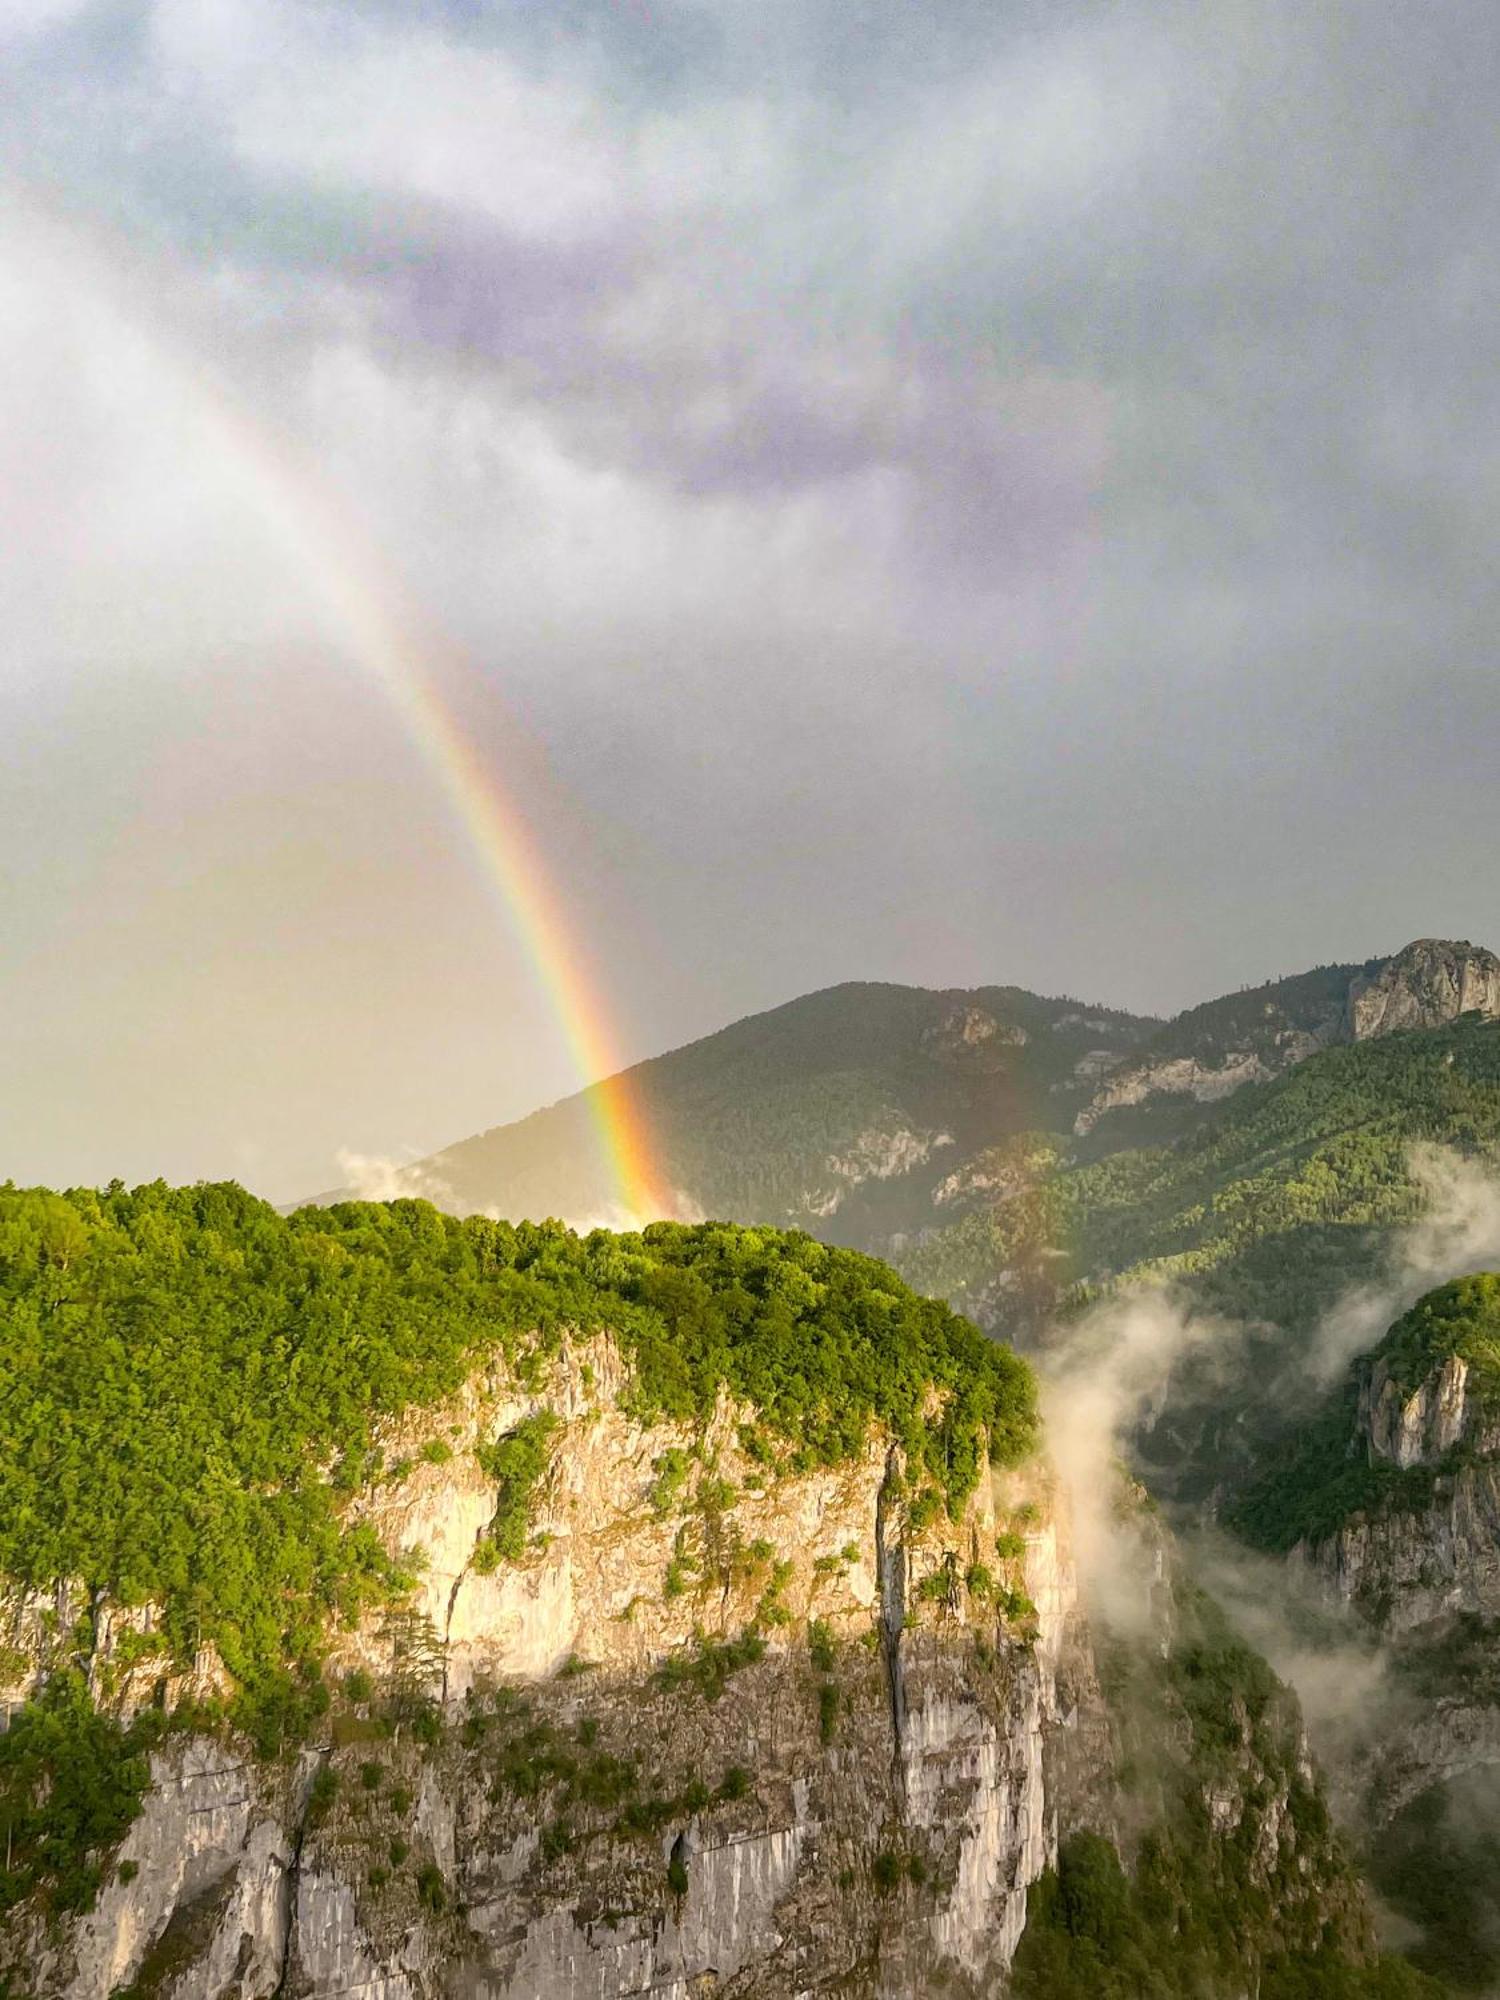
point(385, 641)
point(398, 651)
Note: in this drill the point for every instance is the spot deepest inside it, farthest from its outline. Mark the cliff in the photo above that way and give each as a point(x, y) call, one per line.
point(772, 1733)
point(385, 1629)
point(620, 1764)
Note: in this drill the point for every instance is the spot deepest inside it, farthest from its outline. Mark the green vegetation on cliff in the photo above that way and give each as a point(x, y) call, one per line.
point(1459, 1320)
point(71, 1782)
point(1238, 1882)
point(1272, 1205)
point(1324, 1473)
point(190, 1383)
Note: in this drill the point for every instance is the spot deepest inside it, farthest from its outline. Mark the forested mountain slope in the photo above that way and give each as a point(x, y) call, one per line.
point(879, 1115)
point(848, 1111)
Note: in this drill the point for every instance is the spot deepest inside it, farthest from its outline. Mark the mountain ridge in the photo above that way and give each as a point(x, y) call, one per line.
point(846, 1109)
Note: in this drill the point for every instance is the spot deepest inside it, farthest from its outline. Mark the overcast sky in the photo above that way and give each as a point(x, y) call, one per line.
point(958, 493)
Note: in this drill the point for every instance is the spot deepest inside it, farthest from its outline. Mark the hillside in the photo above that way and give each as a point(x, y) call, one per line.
point(400, 1604)
point(880, 1116)
point(847, 1111)
point(1386, 1497)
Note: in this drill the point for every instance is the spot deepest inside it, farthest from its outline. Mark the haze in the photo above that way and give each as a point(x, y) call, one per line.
point(951, 495)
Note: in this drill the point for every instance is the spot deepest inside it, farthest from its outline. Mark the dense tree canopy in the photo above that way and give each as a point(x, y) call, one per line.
point(189, 1380)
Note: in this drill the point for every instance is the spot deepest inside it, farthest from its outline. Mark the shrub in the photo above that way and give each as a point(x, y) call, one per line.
point(322, 1793)
point(735, 1783)
point(670, 1472)
point(516, 1462)
point(708, 1663)
point(820, 1645)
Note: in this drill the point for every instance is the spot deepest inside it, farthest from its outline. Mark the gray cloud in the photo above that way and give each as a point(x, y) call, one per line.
point(979, 493)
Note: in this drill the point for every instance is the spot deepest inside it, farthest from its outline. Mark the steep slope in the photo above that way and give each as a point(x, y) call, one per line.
point(416, 1607)
point(878, 1116)
point(1211, 1051)
point(1388, 1502)
point(1269, 1211)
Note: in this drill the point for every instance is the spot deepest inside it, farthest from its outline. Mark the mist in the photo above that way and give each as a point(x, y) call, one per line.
point(1107, 1381)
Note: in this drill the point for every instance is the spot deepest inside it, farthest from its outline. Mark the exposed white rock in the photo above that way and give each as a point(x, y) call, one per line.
point(203, 1818)
point(1174, 1076)
point(264, 1903)
point(1427, 985)
point(1412, 1429)
point(333, 1955)
point(876, 1155)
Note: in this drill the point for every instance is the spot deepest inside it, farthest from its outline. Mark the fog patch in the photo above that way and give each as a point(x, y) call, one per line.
point(377, 1177)
point(1102, 1380)
point(1457, 1232)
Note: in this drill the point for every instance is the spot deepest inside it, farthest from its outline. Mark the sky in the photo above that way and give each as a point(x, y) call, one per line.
point(981, 493)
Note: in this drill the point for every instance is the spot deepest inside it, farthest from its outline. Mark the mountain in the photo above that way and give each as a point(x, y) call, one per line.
point(1387, 1500)
point(418, 1607)
point(855, 1112)
point(875, 1114)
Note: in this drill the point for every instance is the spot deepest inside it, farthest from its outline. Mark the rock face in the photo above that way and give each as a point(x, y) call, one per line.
point(1210, 1051)
point(1182, 1076)
point(650, 1778)
point(1427, 985)
point(875, 1156)
point(1421, 1425)
point(1435, 1552)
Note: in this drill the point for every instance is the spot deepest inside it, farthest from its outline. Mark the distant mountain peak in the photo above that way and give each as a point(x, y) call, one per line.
point(1251, 1037)
point(1427, 984)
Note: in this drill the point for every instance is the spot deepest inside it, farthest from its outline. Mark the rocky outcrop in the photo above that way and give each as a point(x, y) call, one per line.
point(1422, 1425)
point(1428, 985)
point(874, 1156)
point(1430, 1548)
point(1406, 1568)
point(972, 1036)
point(1180, 1076)
point(1209, 1052)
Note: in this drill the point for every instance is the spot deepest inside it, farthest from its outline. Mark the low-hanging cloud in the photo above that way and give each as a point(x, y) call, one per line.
point(1457, 1231)
point(1110, 1376)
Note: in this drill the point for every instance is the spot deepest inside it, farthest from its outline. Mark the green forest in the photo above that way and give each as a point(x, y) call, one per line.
point(1269, 1208)
point(190, 1382)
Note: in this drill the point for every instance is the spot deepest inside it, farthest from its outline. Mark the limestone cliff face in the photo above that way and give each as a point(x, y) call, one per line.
point(1421, 1425)
point(1421, 1574)
point(720, 1728)
point(1426, 985)
point(1434, 1551)
point(1188, 1076)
